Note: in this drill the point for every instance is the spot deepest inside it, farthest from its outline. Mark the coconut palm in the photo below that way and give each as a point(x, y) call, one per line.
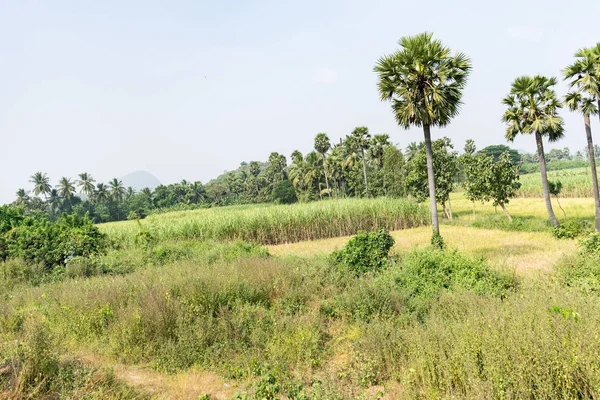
point(41, 184)
point(532, 108)
point(424, 83)
point(66, 189)
point(197, 192)
point(54, 201)
point(86, 184)
point(322, 146)
point(584, 81)
point(22, 198)
point(101, 194)
point(361, 141)
point(117, 190)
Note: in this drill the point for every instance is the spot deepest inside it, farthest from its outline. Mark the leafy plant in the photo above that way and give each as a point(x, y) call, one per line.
point(365, 252)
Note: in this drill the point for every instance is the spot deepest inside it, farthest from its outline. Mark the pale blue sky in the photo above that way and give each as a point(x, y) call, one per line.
point(188, 89)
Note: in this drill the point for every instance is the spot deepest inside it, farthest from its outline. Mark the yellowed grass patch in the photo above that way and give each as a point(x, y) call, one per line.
point(522, 251)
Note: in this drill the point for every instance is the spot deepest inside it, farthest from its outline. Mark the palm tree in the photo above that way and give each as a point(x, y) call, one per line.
point(576, 101)
point(424, 83)
point(378, 145)
point(41, 184)
point(411, 151)
point(130, 192)
point(22, 198)
point(86, 184)
point(322, 146)
point(54, 201)
point(101, 194)
point(533, 109)
point(361, 139)
point(117, 190)
point(584, 81)
point(66, 189)
point(197, 192)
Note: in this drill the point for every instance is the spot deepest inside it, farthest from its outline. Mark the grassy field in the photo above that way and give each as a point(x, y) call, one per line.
point(276, 224)
point(507, 311)
point(576, 182)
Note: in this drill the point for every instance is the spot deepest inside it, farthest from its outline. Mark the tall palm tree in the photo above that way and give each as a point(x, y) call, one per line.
point(41, 184)
point(576, 101)
point(322, 146)
point(86, 184)
point(532, 108)
point(361, 139)
point(66, 189)
point(424, 83)
point(101, 194)
point(130, 192)
point(117, 190)
point(584, 81)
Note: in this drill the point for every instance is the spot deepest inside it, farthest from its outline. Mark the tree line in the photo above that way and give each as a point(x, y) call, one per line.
point(423, 82)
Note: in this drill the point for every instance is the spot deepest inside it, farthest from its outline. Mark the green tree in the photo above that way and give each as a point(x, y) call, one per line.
point(532, 108)
point(584, 81)
point(497, 150)
point(378, 145)
point(101, 194)
point(66, 188)
point(360, 140)
point(424, 83)
point(117, 190)
point(445, 167)
point(41, 184)
point(322, 146)
point(86, 184)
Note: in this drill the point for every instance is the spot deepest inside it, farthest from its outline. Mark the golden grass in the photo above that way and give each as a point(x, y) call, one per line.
point(575, 207)
point(524, 252)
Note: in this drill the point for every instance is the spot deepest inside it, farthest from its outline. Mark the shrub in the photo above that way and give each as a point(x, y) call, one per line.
point(572, 229)
point(365, 252)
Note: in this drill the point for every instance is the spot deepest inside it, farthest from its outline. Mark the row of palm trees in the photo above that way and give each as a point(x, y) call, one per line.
point(424, 83)
point(66, 190)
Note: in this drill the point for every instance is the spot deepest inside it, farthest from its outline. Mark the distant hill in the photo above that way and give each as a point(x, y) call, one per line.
point(140, 180)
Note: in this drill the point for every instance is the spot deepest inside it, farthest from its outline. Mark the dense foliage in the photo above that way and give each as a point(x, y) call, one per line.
point(36, 240)
point(365, 252)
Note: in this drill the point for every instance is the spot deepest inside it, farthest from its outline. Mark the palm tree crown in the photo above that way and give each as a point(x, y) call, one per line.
point(41, 184)
point(423, 81)
point(117, 190)
point(584, 74)
point(86, 184)
point(66, 189)
point(532, 107)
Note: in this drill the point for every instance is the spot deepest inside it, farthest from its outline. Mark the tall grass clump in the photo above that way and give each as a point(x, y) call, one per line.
point(276, 224)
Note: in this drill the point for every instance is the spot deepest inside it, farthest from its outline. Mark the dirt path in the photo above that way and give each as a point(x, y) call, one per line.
point(181, 386)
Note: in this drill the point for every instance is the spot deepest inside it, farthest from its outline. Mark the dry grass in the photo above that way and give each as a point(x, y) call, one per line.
point(582, 207)
point(190, 384)
point(524, 252)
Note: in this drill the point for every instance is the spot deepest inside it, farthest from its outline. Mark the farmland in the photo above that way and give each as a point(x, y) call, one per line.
point(247, 320)
point(576, 182)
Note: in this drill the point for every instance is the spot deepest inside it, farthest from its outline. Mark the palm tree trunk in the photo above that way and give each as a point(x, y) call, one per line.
point(431, 180)
point(540, 148)
point(364, 170)
point(325, 173)
point(590, 142)
point(505, 211)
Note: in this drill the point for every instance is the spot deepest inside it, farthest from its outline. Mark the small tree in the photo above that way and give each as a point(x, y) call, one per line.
point(445, 169)
point(489, 179)
point(555, 189)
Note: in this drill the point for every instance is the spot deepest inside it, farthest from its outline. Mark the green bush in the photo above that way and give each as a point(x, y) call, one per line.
point(52, 243)
point(572, 229)
point(365, 252)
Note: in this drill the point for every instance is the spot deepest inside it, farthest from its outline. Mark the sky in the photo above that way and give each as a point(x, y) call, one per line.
point(189, 89)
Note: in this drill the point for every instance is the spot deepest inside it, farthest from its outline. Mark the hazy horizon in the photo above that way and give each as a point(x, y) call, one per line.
point(191, 89)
